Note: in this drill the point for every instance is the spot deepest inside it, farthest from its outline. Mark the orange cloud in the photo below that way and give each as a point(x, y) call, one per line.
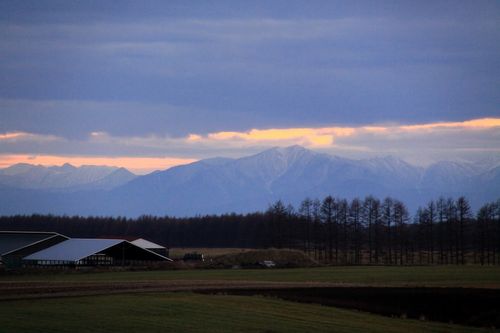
point(138, 165)
point(471, 124)
point(194, 138)
point(375, 129)
point(348, 138)
point(325, 136)
point(13, 135)
point(305, 136)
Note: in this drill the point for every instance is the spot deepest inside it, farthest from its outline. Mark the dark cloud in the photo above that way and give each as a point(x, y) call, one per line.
point(174, 68)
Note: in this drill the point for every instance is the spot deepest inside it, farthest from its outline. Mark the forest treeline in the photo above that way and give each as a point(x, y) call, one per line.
point(333, 230)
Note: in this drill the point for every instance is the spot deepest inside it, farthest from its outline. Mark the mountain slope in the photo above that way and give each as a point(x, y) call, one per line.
point(291, 174)
point(67, 177)
point(251, 183)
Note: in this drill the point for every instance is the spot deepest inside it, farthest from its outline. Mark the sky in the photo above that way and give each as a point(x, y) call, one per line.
point(152, 84)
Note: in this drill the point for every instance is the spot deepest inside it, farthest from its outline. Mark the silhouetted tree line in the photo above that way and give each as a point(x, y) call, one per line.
point(333, 230)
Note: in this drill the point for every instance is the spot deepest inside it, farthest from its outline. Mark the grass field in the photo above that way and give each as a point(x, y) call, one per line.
point(445, 276)
point(186, 312)
point(154, 308)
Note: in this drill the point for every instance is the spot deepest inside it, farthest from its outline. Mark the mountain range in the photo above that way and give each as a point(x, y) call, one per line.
point(223, 185)
point(67, 177)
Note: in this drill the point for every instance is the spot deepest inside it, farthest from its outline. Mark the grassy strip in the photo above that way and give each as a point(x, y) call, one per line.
point(186, 312)
point(445, 276)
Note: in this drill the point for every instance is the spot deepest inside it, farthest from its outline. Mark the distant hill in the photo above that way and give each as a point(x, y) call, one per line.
point(251, 183)
point(68, 177)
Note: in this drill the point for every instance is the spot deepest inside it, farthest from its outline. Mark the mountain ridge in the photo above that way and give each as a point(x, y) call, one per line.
point(65, 177)
point(250, 183)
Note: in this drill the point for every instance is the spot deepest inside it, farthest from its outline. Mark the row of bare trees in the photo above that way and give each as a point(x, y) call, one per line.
point(332, 230)
point(371, 231)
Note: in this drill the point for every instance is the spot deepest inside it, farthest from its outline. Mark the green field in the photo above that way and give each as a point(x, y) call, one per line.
point(186, 312)
point(166, 311)
point(446, 276)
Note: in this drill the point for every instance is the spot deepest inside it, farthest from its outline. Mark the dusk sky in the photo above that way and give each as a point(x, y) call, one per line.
point(148, 85)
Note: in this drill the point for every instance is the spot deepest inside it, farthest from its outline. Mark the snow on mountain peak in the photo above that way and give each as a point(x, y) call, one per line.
point(59, 177)
point(249, 183)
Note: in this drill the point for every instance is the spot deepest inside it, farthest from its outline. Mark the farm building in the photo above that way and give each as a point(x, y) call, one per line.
point(14, 245)
point(93, 252)
point(145, 244)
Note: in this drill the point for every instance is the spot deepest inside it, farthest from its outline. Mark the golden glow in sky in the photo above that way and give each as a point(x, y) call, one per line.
point(469, 124)
point(138, 165)
point(325, 136)
point(367, 138)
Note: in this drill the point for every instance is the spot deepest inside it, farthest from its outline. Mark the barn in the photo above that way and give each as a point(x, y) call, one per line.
point(14, 245)
point(93, 252)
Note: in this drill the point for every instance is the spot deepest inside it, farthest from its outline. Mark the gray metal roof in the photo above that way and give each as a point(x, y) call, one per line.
point(13, 240)
point(74, 249)
point(145, 244)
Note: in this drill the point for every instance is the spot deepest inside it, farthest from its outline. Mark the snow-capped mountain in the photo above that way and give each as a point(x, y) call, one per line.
point(448, 174)
point(223, 185)
point(251, 183)
point(68, 177)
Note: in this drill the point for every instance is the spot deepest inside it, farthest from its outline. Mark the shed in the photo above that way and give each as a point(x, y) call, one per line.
point(93, 252)
point(145, 244)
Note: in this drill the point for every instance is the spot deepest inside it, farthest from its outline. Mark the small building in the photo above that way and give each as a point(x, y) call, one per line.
point(145, 244)
point(14, 245)
point(93, 252)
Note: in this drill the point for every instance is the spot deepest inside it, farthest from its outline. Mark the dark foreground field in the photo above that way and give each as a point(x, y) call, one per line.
point(465, 306)
point(187, 312)
point(284, 300)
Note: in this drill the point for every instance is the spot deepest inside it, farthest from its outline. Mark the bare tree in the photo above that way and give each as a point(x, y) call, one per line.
point(387, 219)
point(463, 213)
point(328, 214)
point(305, 212)
point(343, 221)
point(496, 235)
point(278, 216)
point(431, 219)
point(441, 213)
point(316, 214)
point(484, 218)
point(401, 218)
point(451, 218)
point(355, 221)
point(371, 217)
point(421, 222)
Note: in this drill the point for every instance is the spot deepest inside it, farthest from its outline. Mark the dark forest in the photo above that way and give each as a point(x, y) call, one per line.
point(332, 230)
